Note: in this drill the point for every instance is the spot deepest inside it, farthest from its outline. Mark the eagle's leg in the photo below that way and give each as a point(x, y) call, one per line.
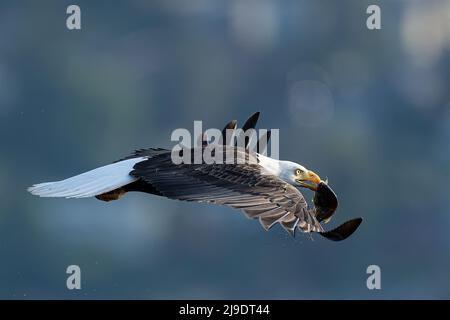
point(139, 186)
point(111, 195)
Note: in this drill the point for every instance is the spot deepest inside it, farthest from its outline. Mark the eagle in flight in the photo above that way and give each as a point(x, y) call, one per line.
point(262, 187)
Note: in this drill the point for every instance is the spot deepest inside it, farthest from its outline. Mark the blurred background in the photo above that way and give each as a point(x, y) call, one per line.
point(369, 109)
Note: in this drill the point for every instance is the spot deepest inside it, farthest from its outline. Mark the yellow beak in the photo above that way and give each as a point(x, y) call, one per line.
point(313, 177)
point(310, 180)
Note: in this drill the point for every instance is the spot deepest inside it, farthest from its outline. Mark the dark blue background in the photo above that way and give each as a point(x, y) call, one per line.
point(368, 109)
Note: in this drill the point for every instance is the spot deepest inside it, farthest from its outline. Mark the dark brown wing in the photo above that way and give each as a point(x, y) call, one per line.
point(242, 186)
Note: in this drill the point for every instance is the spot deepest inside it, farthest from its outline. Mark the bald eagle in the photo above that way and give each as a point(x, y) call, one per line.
point(260, 186)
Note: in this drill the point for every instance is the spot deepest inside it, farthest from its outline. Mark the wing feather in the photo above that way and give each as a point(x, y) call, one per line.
point(247, 187)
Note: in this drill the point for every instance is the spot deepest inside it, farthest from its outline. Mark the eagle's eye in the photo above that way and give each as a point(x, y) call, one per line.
point(298, 172)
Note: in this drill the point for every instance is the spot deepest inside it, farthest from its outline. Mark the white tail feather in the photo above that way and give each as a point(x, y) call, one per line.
point(91, 183)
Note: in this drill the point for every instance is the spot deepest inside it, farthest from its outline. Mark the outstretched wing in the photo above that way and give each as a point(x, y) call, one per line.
point(241, 186)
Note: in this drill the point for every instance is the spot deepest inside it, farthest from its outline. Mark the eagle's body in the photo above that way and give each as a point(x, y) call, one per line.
point(260, 186)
